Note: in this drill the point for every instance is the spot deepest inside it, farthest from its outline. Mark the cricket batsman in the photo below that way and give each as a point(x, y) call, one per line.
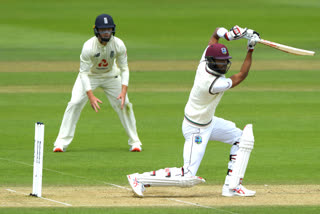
point(103, 63)
point(200, 124)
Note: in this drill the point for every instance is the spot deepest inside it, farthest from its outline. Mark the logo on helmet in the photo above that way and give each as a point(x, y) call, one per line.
point(223, 50)
point(105, 20)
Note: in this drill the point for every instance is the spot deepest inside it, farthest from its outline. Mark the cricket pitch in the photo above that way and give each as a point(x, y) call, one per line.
point(203, 195)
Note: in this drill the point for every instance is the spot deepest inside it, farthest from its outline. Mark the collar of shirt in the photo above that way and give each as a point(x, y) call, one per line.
point(104, 46)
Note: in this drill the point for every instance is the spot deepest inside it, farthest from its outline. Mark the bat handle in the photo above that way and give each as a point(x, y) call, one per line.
point(249, 37)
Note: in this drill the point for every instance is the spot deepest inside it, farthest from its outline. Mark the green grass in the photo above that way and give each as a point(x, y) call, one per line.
point(285, 127)
point(175, 30)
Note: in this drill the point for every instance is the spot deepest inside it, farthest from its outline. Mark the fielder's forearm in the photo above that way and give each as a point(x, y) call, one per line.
point(85, 80)
point(124, 71)
point(124, 89)
point(90, 94)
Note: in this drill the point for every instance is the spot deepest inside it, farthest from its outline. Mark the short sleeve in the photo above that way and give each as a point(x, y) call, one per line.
point(220, 84)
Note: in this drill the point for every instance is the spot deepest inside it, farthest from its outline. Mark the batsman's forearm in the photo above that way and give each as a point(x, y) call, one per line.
point(239, 77)
point(247, 63)
point(214, 38)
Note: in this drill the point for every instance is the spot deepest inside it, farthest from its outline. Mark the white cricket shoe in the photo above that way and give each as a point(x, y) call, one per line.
point(135, 148)
point(239, 191)
point(137, 187)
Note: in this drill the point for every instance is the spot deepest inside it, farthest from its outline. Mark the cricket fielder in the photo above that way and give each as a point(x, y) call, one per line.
point(103, 63)
point(201, 125)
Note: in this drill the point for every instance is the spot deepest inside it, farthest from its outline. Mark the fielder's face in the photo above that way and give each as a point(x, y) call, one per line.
point(105, 32)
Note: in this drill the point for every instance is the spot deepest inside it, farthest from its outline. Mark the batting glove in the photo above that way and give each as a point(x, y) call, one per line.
point(250, 33)
point(252, 42)
point(236, 33)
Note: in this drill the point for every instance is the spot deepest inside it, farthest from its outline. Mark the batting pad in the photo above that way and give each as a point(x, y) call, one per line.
point(168, 177)
point(245, 147)
point(172, 181)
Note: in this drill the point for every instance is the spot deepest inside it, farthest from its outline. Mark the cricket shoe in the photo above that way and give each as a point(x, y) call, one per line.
point(59, 149)
point(239, 191)
point(137, 187)
point(135, 148)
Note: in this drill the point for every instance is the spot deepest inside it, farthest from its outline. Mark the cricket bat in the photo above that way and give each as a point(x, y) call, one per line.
point(287, 49)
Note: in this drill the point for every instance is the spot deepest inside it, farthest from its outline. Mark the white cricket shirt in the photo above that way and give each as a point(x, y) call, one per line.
point(205, 95)
point(98, 61)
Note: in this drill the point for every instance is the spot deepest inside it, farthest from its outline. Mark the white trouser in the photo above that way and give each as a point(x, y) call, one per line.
point(112, 88)
point(196, 140)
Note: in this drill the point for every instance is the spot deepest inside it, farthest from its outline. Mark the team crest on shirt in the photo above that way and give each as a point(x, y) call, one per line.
point(224, 50)
point(198, 139)
point(111, 54)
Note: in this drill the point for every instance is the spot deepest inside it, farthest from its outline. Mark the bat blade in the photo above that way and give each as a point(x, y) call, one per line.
point(287, 49)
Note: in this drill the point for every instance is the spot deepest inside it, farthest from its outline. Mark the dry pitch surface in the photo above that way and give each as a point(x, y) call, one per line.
point(202, 195)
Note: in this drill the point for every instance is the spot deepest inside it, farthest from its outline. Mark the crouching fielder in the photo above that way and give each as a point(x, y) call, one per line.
point(200, 124)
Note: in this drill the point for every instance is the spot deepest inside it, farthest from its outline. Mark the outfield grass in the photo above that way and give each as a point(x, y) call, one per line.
point(174, 30)
point(285, 125)
point(284, 114)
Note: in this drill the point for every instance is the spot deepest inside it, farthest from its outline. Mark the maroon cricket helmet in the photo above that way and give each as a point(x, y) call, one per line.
point(218, 51)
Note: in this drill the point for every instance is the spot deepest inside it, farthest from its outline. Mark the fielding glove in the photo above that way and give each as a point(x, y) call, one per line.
point(236, 33)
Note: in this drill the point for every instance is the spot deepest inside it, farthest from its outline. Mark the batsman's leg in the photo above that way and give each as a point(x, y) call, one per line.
point(196, 140)
point(163, 177)
point(242, 144)
point(239, 165)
